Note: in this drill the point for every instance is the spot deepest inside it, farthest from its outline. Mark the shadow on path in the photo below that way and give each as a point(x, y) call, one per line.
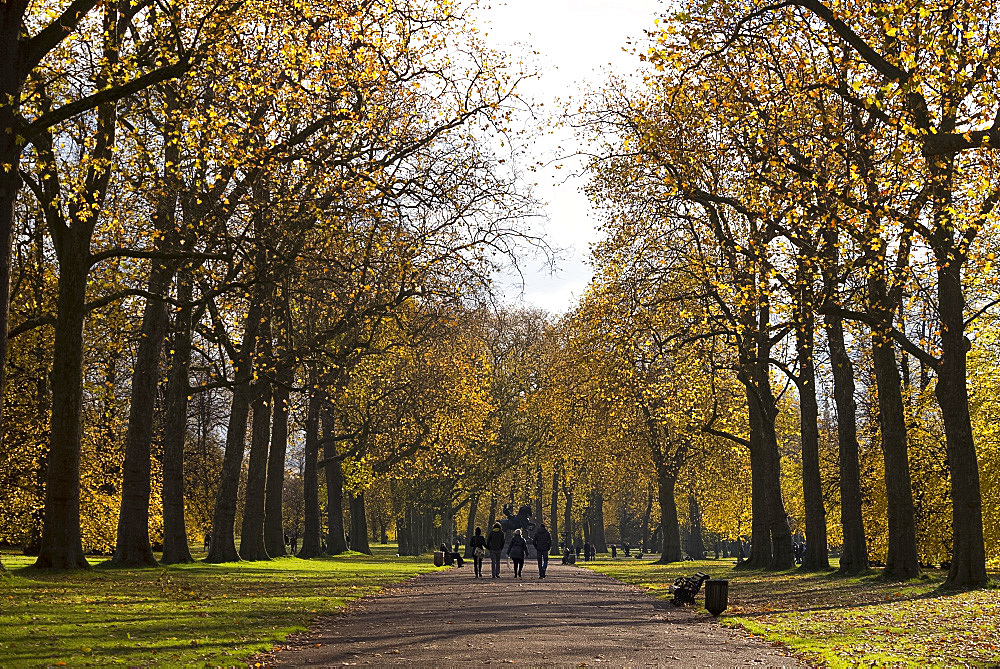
point(574, 616)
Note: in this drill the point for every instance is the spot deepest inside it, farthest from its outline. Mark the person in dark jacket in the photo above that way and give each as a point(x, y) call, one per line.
point(478, 545)
point(494, 544)
point(543, 544)
point(516, 551)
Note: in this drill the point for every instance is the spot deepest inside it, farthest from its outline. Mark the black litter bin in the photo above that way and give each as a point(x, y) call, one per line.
point(716, 596)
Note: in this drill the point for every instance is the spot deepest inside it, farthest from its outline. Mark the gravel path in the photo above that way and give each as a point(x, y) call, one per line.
point(572, 617)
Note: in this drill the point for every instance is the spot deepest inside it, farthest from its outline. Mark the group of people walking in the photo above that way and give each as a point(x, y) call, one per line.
point(517, 550)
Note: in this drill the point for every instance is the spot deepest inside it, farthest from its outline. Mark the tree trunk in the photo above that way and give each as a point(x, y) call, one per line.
point(696, 548)
point(597, 522)
point(554, 510)
point(470, 526)
point(359, 524)
point(252, 532)
point(670, 550)
point(11, 146)
point(274, 527)
point(816, 557)
point(771, 535)
point(62, 545)
point(133, 548)
point(646, 518)
point(902, 562)
point(539, 493)
point(568, 517)
point(968, 560)
point(311, 546)
point(223, 547)
point(175, 541)
point(336, 541)
point(493, 513)
point(854, 557)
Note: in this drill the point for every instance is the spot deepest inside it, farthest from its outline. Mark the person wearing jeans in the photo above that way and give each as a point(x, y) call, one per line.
point(543, 544)
point(494, 544)
point(478, 545)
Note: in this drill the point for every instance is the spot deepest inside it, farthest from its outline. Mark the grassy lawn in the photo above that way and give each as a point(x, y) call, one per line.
point(840, 621)
point(196, 614)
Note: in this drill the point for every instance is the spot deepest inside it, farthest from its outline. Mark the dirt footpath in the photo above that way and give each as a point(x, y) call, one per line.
point(572, 617)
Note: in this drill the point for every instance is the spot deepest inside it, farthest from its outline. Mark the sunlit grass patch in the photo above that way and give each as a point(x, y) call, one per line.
point(844, 621)
point(180, 615)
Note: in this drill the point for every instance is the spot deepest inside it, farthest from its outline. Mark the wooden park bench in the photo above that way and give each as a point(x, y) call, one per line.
point(685, 588)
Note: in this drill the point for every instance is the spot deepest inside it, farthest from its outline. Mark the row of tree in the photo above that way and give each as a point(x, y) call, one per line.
point(800, 207)
point(229, 223)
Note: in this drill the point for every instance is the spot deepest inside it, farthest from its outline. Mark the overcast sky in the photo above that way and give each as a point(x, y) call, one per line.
point(577, 41)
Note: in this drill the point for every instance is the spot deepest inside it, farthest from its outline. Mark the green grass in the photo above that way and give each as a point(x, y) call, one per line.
point(198, 614)
point(841, 622)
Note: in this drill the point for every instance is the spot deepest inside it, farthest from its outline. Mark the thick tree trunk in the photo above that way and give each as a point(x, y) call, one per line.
point(252, 532)
point(274, 530)
point(854, 557)
point(175, 541)
point(696, 549)
point(968, 560)
point(539, 493)
point(816, 557)
point(670, 529)
point(336, 541)
point(359, 525)
point(646, 516)
point(554, 510)
point(133, 548)
point(570, 530)
point(223, 548)
point(493, 514)
point(760, 535)
point(902, 562)
point(470, 526)
point(311, 546)
point(597, 522)
point(11, 146)
point(62, 545)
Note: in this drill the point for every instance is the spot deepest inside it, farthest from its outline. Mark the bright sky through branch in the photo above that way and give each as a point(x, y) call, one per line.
point(577, 42)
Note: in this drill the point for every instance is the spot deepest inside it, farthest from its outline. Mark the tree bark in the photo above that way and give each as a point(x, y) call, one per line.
point(252, 531)
point(470, 526)
point(493, 513)
point(223, 548)
point(646, 516)
point(11, 145)
point(597, 522)
point(359, 524)
point(336, 541)
point(62, 545)
point(274, 530)
point(968, 560)
point(554, 510)
point(568, 517)
point(670, 529)
point(696, 549)
point(310, 479)
point(133, 547)
point(539, 493)
point(854, 557)
point(816, 557)
point(175, 541)
point(902, 561)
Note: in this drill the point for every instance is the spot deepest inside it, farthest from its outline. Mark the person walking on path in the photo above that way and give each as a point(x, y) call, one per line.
point(543, 544)
point(478, 545)
point(516, 551)
point(494, 544)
